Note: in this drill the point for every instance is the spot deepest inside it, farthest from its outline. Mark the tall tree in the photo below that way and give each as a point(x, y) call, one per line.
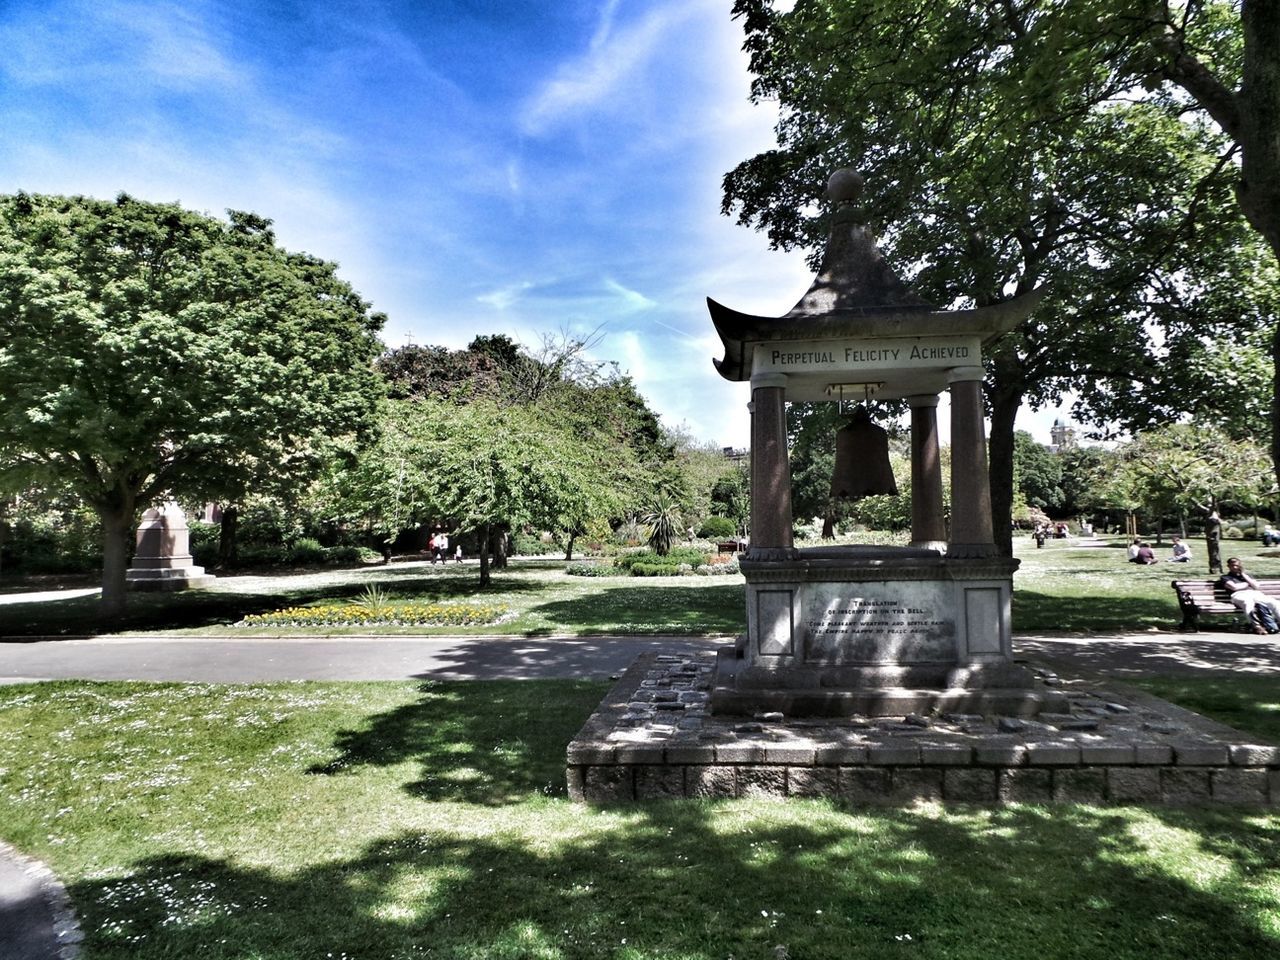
point(999, 167)
point(483, 468)
point(1038, 474)
point(1185, 469)
point(146, 350)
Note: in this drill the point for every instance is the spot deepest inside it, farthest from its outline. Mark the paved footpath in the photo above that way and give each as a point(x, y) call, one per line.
point(247, 660)
point(239, 660)
point(36, 922)
point(31, 928)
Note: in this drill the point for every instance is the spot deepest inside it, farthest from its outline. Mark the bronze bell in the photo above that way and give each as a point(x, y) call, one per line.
point(862, 459)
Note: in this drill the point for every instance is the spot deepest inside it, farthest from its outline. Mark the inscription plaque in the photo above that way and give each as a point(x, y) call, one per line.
point(879, 623)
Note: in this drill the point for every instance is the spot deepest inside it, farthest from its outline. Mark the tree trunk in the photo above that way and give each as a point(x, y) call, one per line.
point(568, 550)
point(1213, 540)
point(500, 549)
point(117, 528)
point(484, 555)
point(1004, 410)
point(227, 537)
point(1259, 140)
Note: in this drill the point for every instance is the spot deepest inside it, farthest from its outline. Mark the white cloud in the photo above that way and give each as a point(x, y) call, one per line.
point(613, 57)
point(605, 26)
point(632, 300)
point(505, 297)
point(167, 44)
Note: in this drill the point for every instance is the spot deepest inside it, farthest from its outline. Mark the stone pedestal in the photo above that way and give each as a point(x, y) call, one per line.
point(162, 559)
point(877, 631)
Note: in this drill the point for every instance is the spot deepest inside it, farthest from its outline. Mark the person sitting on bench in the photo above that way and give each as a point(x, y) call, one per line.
point(1247, 596)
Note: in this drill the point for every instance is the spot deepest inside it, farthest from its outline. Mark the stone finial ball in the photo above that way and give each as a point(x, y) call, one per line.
point(844, 185)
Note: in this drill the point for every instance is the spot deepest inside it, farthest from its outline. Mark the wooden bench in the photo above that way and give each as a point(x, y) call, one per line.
point(1201, 598)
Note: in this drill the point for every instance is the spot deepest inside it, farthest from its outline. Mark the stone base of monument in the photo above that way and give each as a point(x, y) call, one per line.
point(1004, 689)
point(654, 737)
point(185, 576)
point(877, 631)
point(161, 560)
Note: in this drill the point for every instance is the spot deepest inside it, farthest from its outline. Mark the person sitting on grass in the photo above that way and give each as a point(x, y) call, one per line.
point(1133, 550)
point(1247, 596)
point(1145, 554)
point(1181, 552)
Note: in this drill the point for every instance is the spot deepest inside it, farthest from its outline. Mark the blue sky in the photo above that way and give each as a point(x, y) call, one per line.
point(474, 166)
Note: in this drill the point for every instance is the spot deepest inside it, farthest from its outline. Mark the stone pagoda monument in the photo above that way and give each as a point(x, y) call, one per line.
point(840, 631)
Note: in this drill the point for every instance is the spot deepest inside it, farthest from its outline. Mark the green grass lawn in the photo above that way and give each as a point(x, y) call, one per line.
point(1060, 587)
point(1067, 587)
point(401, 820)
point(405, 820)
point(541, 597)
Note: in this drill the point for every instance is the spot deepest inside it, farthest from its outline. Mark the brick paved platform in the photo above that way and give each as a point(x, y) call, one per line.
point(652, 738)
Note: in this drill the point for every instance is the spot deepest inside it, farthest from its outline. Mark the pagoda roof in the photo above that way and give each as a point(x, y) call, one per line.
point(856, 295)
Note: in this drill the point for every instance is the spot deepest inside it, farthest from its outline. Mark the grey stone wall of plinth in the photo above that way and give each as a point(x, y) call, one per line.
point(653, 737)
point(162, 558)
point(877, 631)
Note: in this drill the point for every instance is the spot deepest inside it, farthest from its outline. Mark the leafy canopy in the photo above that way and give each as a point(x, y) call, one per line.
point(146, 350)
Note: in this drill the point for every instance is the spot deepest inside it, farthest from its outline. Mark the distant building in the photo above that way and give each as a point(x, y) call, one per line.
point(733, 454)
point(1062, 436)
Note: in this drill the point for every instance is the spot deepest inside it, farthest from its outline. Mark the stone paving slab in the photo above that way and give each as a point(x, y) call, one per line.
point(653, 737)
point(36, 919)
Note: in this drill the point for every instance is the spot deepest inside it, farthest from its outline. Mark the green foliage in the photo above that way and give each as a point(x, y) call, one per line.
point(731, 496)
point(1081, 467)
point(307, 550)
point(650, 563)
point(193, 356)
point(49, 535)
point(1182, 469)
point(374, 598)
point(477, 466)
point(1008, 147)
point(717, 528)
point(532, 545)
point(1037, 474)
point(664, 520)
point(591, 568)
point(884, 512)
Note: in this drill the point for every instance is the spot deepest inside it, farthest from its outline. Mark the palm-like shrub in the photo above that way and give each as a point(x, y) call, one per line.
point(664, 521)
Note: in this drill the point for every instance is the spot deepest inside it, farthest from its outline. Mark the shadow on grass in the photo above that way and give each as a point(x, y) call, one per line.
point(703, 880)
point(640, 608)
point(1040, 611)
point(482, 742)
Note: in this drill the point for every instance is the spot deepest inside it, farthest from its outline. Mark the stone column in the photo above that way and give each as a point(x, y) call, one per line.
point(971, 529)
point(927, 526)
point(771, 535)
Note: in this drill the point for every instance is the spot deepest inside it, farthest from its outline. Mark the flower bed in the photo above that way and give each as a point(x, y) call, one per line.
point(407, 614)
